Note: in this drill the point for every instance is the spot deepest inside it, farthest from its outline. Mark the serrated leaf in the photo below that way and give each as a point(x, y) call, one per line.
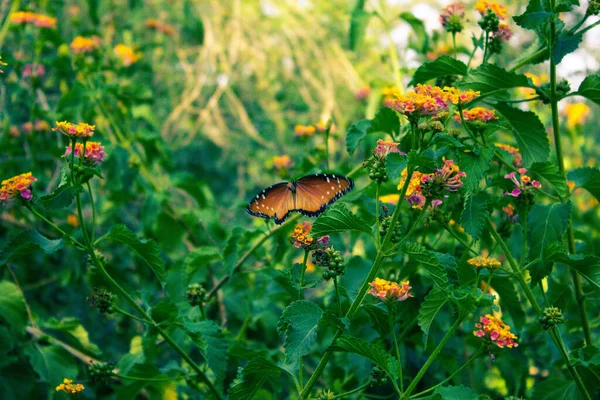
point(12, 306)
point(51, 363)
point(200, 257)
point(27, 242)
point(550, 176)
point(430, 261)
point(564, 45)
point(442, 66)
point(475, 214)
point(457, 393)
point(216, 350)
point(370, 351)
point(386, 120)
point(252, 378)
point(421, 162)
point(535, 16)
point(547, 224)
point(147, 249)
point(395, 163)
point(230, 252)
point(379, 317)
point(338, 219)
point(587, 178)
point(299, 322)
point(62, 197)
point(590, 88)
point(586, 265)
point(359, 20)
point(475, 166)
point(356, 133)
point(529, 132)
point(489, 78)
point(509, 300)
point(552, 389)
point(588, 356)
point(433, 303)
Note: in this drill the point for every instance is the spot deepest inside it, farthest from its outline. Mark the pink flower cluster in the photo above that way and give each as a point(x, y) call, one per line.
point(385, 147)
point(524, 184)
point(496, 331)
point(94, 152)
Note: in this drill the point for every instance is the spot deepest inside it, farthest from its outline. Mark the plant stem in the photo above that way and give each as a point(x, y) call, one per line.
point(338, 298)
point(358, 389)
point(377, 222)
point(449, 230)
point(138, 378)
point(52, 224)
point(454, 44)
point(465, 365)
point(529, 59)
point(392, 315)
point(432, 358)
point(120, 311)
point(93, 232)
point(554, 334)
point(302, 272)
point(524, 246)
point(362, 291)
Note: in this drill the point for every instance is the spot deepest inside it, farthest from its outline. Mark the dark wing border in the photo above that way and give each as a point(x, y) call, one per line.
point(262, 215)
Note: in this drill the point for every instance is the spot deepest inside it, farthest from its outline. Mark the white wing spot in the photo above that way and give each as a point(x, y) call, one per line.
point(332, 188)
point(333, 176)
point(322, 197)
point(328, 192)
point(327, 179)
point(263, 196)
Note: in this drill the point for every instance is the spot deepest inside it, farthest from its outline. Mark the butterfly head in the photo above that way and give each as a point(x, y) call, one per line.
point(291, 186)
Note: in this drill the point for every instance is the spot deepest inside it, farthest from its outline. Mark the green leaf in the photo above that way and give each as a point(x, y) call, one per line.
point(12, 306)
point(370, 351)
point(587, 265)
point(431, 261)
point(547, 224)
point(386, 120)
point(395, 163)
point(252, 378)
point(338, 219)
point(475, 166)
point(564, 45)
point(62, 197)
point(230, 252)
point(590, 88)
point(535, 16)
point(442, 66)
point(509, 300)
point(356, 133)
point(550, 176)
point(359, 21)
point(51, 363)
point(147, 249)
point(489, 78)
point(422, 39)
point(379, 318)
point(456, 393)
point(216, 349)
point(433, 303)
point(28, 242)
point(200, 257)
point(529, 132)
point(475, 214)
point(588, 356)
point(553, 389)
point(145, 374)
point(587, 178)
point(421, 162)
point(299, 322)
point(74, 333)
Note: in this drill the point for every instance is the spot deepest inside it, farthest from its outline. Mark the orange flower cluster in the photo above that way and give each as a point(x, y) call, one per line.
point(82, 44)
point(28, 17)
point(497, 331)
point(385, 147)
point(509, 210)
point(390, 291)
point(127, 54)
point(413, 192)
point(304, 130)
point(484, 262)
point(299, 236)
point(476, 114)
point(94, 152)
point(513, 151)
point(69, 387)
point(17, 186)
point(483, 5)
point(429, 100)
point(159, 26)
point(280, 162)
point(81, 130)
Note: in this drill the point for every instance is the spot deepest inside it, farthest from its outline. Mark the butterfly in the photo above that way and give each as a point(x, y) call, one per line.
point(309, 195)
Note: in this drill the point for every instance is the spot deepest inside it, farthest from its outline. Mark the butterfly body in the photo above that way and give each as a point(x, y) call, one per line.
point(309, 195)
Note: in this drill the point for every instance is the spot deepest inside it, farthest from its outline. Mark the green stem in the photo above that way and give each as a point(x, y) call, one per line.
point(358, 389)
point(138, 378)
point(122, 292)
point(525, 231)
point(337, 296)
point(529, 59)
point(488, 282)
point(377, 222)
point(52, 224)
point(7, 22)
point(93, 232)
point(432, 358)
point(473, 53)
point(120, 311)
point(587, 28)
point(302, 272)
point(72, 162)
point(485, 46)
point(362, 291)
point(327, 145)
point(454, 44)
point(449, 230)
point(448, 379)
point(391, 314)
point(529, 294)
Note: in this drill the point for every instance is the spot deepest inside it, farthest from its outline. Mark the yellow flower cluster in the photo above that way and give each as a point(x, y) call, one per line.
point(299, 236)
point(390, 291)
point(81, 130)
point(429, 100)
point(576, 113)
point(447, 94)
point(484, 262)
point(283, 161)
point(69, 387)
point(127, 54)
point(159, 26)
point(513, 151)
point(415, 182)
point(28, 17)
point(17, 186)
point(483, 5)
point(82, 44)
point(304, 130)
point(476, 114)
point(496, 330)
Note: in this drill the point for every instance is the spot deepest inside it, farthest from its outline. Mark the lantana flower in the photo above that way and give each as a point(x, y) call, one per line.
point(362, 93)
point(413, 192)
point(82, 44)
point(94, 152)
point(17, 187)
point(524, 184)
point(281, 162)
point(576, 113)
point(304, 130)
point(69, 387)
point(80, 131)
point(484, 262)
point(509, 212)
point(476, 115)
point(28, 17)
point(445, 179)
point(385, 147)
point(301, 238)
point(497, 332)
point(387, 291)
point(127, 54)
point(513, 151)
point(452, 17)
point(484, 5)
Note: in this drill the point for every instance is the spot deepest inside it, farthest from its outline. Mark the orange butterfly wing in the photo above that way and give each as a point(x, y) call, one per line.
point(273, 202)
point(315, 192)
